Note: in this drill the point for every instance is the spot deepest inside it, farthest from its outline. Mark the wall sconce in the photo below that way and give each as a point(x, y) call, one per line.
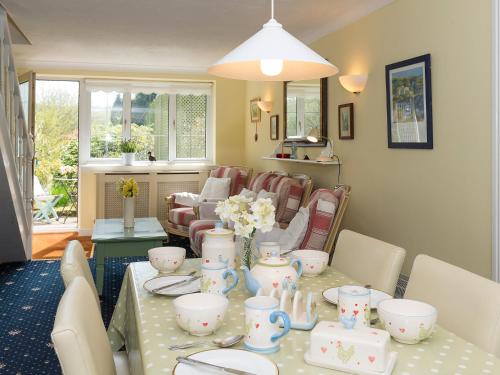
point(354, 83)
point(265, 106)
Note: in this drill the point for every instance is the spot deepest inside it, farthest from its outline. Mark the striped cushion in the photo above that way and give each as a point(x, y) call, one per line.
point(237, 176)
point(320, 219)
point(289, 192)
point(261, 181)
point(197, 233)
point(181, 216)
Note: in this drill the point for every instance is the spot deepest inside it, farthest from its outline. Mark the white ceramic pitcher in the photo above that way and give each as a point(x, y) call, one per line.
point(218, 247)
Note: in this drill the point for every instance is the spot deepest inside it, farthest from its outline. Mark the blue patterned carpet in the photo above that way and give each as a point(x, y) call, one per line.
point(29, 295)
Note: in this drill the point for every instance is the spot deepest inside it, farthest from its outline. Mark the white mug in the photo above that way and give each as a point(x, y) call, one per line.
point(261, 324)
point(267, 249)
point(213, 278)
point(354, 306)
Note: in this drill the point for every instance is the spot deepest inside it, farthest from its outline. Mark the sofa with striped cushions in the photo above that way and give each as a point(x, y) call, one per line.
point(292, 191)
point(181, 215)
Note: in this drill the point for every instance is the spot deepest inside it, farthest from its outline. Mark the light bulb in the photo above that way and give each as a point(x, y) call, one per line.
point(271, 67)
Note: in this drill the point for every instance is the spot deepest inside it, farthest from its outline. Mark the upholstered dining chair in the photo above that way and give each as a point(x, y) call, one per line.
point(79, 336)
point(368, 260)
point(74, 263)
point(468, 304)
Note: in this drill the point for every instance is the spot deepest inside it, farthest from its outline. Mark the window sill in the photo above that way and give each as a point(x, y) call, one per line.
point(145, 167)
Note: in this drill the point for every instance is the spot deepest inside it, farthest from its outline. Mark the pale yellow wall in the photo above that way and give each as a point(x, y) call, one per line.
point(229, 129)
point(427, 201)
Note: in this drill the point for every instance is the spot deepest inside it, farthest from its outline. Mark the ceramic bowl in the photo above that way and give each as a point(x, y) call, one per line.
point(408, 321)
point(313, 261)
point(200, 314)
point(166, 259)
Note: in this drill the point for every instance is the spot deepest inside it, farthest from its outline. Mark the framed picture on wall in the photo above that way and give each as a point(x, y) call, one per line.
point(409, 103)
point(346, 121)
point(254, 110)
point(274, 124)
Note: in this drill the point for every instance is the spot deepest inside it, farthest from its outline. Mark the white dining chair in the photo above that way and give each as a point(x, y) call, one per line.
point(368, 260)
point(74, 263)
point(79, 336)
point(468, 304)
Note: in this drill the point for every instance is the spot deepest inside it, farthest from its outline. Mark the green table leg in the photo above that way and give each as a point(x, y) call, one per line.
point(117, 249)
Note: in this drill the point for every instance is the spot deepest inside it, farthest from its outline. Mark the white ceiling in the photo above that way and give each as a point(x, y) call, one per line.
point(162, 35)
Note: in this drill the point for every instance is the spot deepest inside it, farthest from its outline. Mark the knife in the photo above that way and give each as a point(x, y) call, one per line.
point(224, 370)
point(178, 283)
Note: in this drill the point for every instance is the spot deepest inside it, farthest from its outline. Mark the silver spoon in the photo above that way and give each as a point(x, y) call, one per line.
point(221, 343)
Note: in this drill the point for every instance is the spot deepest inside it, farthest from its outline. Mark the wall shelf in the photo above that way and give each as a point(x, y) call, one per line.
point(333, 162)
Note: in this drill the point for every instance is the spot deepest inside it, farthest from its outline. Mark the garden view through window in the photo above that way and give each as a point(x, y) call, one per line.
point(172, 125)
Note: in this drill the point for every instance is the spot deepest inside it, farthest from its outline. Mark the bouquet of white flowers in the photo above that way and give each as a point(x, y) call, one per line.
point(247, 216)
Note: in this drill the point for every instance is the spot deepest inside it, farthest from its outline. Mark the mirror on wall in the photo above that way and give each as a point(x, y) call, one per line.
point(305, 111)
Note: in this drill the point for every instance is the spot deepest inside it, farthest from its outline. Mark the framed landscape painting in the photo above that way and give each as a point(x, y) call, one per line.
point(409, 103)
point(346, 121)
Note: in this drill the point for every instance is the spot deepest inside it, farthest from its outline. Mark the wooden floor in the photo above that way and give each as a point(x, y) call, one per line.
point(51, 245)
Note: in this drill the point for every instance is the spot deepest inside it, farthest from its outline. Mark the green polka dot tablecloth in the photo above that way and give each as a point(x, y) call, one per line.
point(146, 325)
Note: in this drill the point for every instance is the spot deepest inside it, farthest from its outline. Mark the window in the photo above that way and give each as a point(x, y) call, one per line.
point(172, 120)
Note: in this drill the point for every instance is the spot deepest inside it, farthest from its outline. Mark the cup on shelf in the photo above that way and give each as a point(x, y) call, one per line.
point(262, 329)
point(214, 278)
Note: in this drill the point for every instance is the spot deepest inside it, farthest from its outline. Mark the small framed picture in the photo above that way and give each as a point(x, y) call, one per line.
point(275, 127)
point(346, 121)
point(409, 103)
point(254, 110)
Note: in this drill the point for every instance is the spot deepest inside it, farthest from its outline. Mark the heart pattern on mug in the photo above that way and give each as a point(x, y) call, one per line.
point(257, 325)
point(371, 358)
point(324, 349)
point(355, 312)
point(402, 330)
point(343, 310)
point(204, 324)
point(275, 284)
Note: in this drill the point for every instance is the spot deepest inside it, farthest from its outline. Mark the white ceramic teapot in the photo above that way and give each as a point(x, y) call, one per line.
point(271, 273)
point(218, 247)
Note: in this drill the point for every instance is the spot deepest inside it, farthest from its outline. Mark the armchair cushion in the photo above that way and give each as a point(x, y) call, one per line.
point(294, 234)
point(236, 175)
point(289, 191)
point(322, 209)
point(207, 210)
point(248, 193)
point(261, 181)
point(181, 216)
point(216, 188)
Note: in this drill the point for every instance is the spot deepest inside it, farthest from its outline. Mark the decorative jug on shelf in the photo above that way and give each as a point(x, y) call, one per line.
point(218, 247)
point(271, 273)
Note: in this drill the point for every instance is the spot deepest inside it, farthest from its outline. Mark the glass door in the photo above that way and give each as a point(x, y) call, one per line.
point(56, 155)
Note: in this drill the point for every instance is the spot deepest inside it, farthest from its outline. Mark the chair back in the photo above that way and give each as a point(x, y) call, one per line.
point(38, 190)
point(74, 263)
point(368, 260)
point(79, 336)
point(468, 304)
point(239, 177)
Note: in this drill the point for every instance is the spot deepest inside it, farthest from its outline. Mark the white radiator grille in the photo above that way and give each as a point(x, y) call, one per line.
point(113, 204)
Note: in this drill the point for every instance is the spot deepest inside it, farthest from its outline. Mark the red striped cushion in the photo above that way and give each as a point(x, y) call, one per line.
point(181, 216)
point(261, 181)
point(236, 175)
point(320, 221)
point(289, 193)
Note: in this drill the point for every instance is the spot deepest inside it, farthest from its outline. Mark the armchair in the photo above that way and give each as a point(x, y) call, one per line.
point(182, 208)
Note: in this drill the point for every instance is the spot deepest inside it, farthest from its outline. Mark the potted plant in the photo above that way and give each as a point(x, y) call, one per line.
point(128, 190)
point(128, 148)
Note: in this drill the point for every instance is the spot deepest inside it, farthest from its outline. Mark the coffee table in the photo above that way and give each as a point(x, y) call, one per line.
point(112, 240)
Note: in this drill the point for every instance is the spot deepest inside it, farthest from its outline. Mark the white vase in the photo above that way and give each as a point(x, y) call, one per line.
point(128, 158)
point(128, 212)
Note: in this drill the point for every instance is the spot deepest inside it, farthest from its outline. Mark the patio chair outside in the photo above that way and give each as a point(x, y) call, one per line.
point(44, 202)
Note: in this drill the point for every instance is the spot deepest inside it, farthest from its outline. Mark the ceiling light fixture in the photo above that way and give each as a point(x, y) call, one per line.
point(273, 54)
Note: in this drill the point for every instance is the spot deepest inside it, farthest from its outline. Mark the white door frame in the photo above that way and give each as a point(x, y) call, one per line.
point(495, 141)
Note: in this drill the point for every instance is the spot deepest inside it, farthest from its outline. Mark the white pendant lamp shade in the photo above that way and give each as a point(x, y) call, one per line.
point(273, 54)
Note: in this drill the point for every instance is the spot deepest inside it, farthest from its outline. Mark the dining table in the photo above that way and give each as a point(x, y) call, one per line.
point(145, 325)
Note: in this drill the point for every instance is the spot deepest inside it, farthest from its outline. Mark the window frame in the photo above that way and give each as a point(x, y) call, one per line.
point(85, 126)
